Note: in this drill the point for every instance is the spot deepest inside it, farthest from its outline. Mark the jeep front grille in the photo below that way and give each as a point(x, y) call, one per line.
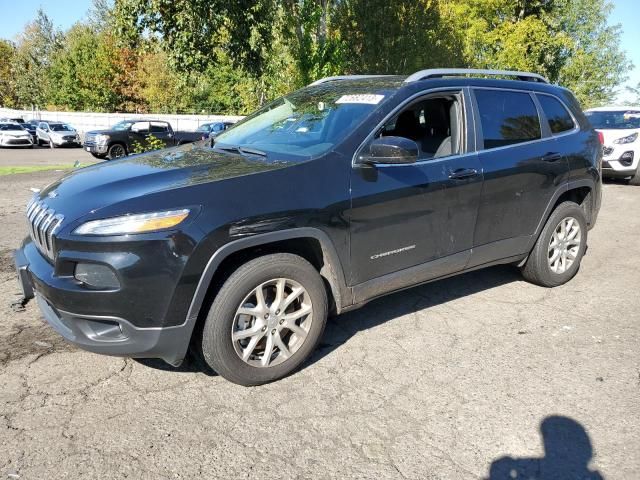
point(43, 224)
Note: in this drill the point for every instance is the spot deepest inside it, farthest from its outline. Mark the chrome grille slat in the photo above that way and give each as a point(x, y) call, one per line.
point(43, 225)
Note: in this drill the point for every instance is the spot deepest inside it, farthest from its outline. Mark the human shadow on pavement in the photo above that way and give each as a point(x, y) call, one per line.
point(341, 328)
point(567, 453)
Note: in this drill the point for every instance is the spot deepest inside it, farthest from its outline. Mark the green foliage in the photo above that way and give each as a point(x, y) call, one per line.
point(35, 48)
point(7, 74)
point(151, 143)
point(214, 56)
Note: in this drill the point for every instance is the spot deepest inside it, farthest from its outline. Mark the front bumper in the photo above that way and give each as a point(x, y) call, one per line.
point(16, 142)
point(98, 149)
point(103, 334)
point(614, 164)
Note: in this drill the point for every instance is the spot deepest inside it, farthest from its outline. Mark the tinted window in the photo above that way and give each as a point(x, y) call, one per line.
point(159, 128)
point(507, 117)
point(559, 118)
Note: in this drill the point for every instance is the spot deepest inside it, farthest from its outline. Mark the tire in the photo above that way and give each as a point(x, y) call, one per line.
point(117, 150)
point(39, 142)
point(538, 269)
point(635, 180)
point(223, 354)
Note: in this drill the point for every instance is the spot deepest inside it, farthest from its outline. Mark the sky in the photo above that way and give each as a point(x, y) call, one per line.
point(65, 13)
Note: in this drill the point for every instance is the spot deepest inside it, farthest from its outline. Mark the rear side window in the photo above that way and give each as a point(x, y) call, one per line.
point(559, 118)
point(507, 118)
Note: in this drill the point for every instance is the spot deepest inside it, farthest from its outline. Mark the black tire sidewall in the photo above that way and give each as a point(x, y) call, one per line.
point(217, 347)
point(564, 210)
point(112, 147)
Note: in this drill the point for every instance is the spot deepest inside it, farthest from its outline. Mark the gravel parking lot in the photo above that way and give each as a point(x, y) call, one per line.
point(42, 156)
point(439, 382)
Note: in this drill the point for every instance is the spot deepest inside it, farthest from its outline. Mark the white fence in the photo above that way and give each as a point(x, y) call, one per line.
point(86, 121)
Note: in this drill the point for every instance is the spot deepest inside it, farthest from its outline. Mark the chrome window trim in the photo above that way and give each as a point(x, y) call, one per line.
point(424, 93)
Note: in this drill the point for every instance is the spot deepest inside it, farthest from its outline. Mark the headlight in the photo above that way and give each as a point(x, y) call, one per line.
point(628, 139)
point(101, 138)
point(126, 224)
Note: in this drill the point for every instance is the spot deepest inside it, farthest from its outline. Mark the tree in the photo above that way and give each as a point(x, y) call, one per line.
point(35, 49)
point(7, 74)
point(635, 91)
point(593, 64)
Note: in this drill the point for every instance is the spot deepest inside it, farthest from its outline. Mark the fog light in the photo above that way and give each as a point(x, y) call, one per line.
point(96, 276)
point(626, 159)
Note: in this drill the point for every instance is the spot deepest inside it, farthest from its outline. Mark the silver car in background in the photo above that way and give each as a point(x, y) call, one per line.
point(57, 134)
point(14, 135)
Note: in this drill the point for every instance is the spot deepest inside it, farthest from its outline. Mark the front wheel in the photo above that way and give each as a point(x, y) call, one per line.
point(635, 180)
point(116, 150)
point(266, 320)
point(556, 256)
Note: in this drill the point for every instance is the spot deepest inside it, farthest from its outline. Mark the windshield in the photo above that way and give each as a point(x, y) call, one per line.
point(308, 122)
point(61, 128)
point(10, 126)
point(617, 120)
point(121, 126)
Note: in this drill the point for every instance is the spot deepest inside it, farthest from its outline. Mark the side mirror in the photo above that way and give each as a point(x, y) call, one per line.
point(390, 150)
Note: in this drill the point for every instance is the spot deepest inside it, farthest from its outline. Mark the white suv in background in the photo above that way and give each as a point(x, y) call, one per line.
point(620, 128)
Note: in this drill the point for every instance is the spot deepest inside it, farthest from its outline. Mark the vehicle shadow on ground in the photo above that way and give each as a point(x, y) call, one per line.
point(567, 453)
point(341, 328)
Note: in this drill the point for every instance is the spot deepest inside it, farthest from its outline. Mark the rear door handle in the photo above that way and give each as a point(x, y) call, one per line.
point(463, 173)
point(552, 157)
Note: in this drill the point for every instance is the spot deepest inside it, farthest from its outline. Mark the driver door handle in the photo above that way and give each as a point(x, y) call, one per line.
point(552, 157)
point(463, 173)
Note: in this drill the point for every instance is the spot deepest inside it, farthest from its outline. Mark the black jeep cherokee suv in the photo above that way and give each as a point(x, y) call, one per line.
point(343, 191)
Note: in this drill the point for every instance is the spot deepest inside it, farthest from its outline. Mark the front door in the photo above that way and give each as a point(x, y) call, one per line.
point(406, 216)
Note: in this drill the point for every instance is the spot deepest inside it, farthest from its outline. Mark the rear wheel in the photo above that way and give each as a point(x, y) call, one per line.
point(266, 320)
point(556, 256)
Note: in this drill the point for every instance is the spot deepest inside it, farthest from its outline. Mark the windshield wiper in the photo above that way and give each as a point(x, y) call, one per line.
point(242, 150)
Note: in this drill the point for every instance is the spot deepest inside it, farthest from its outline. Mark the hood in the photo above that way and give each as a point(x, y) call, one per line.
point(615, 133)
point(105, 131)
point(15, 133)
point(108, 183)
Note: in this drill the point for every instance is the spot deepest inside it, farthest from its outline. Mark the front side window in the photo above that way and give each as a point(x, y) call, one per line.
point(159, 128)
point(308, 122)
point(559, 118)
point(507, 118)
point(433, 123)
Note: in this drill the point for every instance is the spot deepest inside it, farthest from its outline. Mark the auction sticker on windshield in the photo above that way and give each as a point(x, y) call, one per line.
point(368, 98)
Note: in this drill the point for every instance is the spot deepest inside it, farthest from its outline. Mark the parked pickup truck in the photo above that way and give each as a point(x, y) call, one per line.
point(119, 140)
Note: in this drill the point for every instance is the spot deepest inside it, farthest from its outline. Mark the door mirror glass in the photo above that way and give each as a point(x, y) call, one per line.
point(390, 150)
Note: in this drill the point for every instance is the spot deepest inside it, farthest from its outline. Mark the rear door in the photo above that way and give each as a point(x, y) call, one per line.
point(523, 168)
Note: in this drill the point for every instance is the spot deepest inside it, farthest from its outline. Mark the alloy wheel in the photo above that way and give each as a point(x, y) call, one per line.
point(564, 245)
point(272, 322)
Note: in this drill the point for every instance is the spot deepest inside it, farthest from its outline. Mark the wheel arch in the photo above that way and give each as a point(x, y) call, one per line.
point(312, 244)
point(578, 191)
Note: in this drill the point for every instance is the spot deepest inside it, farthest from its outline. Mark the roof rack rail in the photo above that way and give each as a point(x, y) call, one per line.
point(345, 77)
point(452, 72)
